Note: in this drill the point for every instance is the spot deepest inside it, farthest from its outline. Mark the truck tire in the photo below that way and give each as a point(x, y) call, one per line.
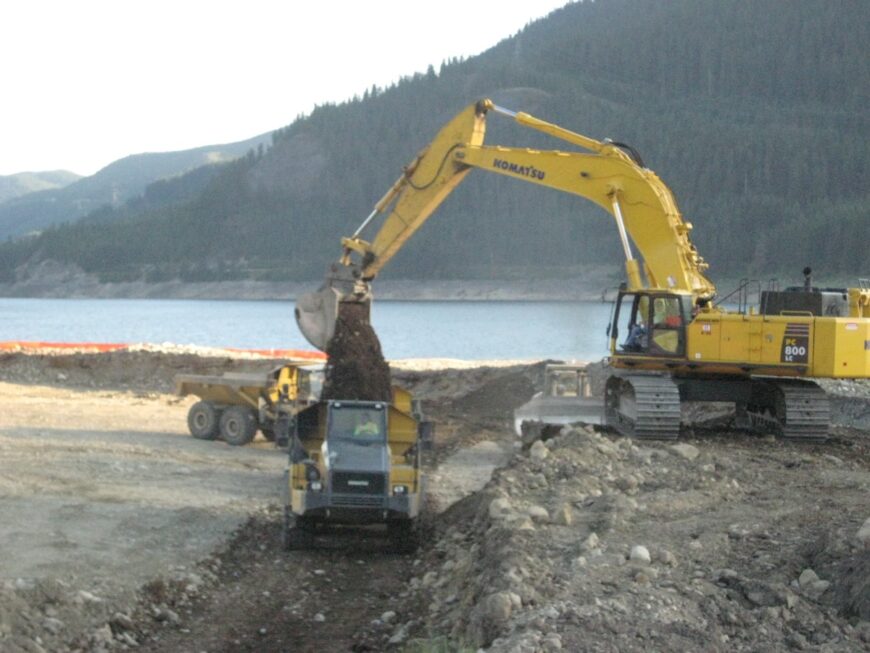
point(268, 432)
point(404, 536)
point(238, 425)
point(286, 527)
point(296, 533)
point(203, 420)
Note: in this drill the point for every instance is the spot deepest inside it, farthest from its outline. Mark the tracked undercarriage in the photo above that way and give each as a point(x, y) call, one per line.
point(647, 405)
point(643, 406)
point(792, 408)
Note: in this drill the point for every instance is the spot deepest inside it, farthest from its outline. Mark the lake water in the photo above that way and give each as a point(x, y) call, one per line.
point(407, 329)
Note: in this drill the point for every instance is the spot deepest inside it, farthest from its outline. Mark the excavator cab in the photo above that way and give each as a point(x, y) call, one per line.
point(650, 323)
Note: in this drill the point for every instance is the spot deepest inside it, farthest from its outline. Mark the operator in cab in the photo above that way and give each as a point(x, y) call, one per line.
point(366, 426)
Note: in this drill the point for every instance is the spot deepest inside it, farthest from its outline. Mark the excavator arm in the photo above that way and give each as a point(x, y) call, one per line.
point(608, 174)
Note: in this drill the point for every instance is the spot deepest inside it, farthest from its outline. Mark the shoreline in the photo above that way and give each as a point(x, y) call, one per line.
point(568, 290)
point(51, 280)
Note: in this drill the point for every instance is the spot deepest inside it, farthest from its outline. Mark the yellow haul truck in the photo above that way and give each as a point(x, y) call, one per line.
point(669, 339)
point(356, 462)
point(234, 406)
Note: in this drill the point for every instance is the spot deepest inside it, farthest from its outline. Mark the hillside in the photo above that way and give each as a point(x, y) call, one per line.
point(22, 183)
point(755, 114)
point(119, 181)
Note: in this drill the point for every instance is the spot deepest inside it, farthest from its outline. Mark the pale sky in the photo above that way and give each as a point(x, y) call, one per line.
point(87, 82)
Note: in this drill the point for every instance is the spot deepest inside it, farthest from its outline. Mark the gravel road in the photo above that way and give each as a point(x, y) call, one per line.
point(105, 487)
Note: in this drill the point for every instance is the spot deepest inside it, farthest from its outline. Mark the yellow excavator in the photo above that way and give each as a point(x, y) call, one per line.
point(669, 340)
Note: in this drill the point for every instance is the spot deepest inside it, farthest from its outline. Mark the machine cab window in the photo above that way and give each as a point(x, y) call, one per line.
point(360, 424)
point(651, 324)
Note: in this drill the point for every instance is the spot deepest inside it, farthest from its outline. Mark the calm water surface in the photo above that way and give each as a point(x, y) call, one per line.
point(466, 330)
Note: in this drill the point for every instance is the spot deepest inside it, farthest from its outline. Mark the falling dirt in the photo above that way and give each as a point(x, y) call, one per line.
point(356, 368)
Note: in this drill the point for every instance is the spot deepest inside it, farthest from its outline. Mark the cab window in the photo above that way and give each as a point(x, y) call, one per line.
point(362, 425)
point(668, 322)
point(631, 323)
point(651, 325)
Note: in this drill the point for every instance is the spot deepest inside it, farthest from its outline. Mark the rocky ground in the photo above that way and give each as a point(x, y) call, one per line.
point(120, 532)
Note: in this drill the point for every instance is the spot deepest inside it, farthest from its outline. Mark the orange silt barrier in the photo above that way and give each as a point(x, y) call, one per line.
point(283, 353)
point(99, 347)
point(23, 345)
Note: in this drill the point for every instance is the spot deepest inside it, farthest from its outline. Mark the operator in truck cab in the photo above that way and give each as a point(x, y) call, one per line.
point(366, 426)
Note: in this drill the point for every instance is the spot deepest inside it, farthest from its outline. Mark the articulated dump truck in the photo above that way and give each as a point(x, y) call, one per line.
point(356, 463)
point(234, 406)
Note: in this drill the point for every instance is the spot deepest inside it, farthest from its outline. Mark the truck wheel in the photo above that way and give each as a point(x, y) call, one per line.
point(286, 527)
point(296, 533)
point(238, 425)
point(203, 419)
point(404, 536)
point(268, 432)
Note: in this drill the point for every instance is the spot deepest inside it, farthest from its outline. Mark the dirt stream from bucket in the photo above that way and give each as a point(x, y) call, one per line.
point(355, 368)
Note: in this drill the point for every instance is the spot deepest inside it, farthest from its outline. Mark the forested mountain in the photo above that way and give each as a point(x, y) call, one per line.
point(111, 186)
point(23, 183)
point(754, 113)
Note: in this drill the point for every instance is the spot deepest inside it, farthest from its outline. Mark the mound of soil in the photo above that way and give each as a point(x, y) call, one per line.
point(594, 542)
point(355, 368)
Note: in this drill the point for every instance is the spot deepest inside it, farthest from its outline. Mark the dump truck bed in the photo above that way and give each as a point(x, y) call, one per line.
point(234, 389)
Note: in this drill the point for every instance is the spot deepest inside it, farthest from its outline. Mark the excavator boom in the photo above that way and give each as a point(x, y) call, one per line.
point(668, 342)
point(608, 174)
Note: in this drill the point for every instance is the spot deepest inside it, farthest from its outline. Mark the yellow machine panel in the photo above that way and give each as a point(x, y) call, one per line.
point(402, 429)
point(754, 340)
point(703, 336)
point(402, 399)
point(787, 340)
point(404, 475)
point(287, 384)
point(842, 347)
point(735, 340)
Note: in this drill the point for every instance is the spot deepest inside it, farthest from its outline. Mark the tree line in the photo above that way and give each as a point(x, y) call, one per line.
point(755, 114)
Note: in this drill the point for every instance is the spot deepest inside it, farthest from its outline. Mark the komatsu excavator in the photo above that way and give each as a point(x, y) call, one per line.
point(669, 341)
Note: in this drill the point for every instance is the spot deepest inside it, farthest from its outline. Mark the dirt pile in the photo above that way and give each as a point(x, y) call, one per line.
point(147, 370)
point(597, 543)
point(356, 368)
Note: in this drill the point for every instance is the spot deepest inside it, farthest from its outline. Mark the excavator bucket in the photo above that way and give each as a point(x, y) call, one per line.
point(317, 312)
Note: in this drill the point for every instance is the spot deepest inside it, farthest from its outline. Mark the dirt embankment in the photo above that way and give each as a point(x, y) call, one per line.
point(121, 532)
point(596, 543)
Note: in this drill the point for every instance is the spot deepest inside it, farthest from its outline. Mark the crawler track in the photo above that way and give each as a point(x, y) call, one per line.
point(793, 409)
point(645, 406)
